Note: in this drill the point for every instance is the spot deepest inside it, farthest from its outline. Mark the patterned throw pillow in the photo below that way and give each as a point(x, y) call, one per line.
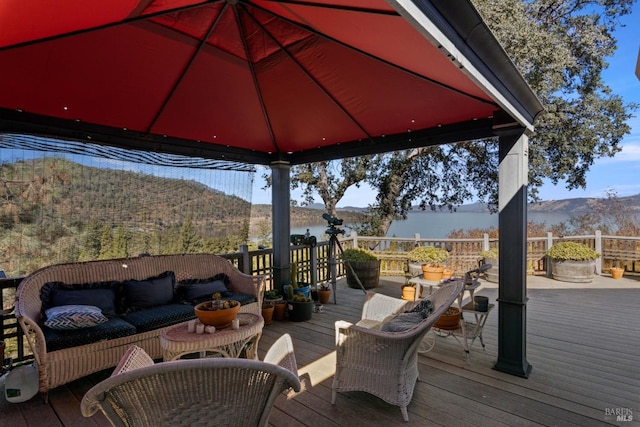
point(67, 317)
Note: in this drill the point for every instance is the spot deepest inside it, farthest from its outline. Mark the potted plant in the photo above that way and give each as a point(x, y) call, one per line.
point(430, 259)
point(616, 271)
point(409, 292)
point(279, 309)
point(268, 307)
point(298, 287)
point(364, 264)
point(217, 313)
point(572, 262)
point(324, 293)
point(299, 307)
point(491, 256)
point(272, 295)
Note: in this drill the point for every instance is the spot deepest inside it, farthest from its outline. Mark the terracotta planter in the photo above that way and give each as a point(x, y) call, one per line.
point(280, 310)
point(267, 313)
point(449, 320)
point(446, 274)
point(433, 274)
point(409, 293)
point(218, 318)
point(616, 272)
point(573, 271)
point(324, 296)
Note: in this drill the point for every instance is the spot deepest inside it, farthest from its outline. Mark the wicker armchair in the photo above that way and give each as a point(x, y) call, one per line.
point(196, 392)
point(385, 364)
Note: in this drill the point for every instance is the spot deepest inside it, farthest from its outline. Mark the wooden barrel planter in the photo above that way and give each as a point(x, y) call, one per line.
point(573, 271)
point(367, 271)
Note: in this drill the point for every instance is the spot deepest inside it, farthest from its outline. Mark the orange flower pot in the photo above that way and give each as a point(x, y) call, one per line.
point(617, 272)
point(218, 318)
point(433, 274)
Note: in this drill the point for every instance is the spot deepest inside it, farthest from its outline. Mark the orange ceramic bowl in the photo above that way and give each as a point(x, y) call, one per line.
point(218, 318)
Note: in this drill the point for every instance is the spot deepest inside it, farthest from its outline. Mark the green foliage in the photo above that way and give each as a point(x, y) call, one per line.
point(294, 275)
point(55, 210)
point(271, 294)
point(490, 253)
point(299, 298)
point(357, 254)
point(428, 254)
point(561, 49)
point(571, 251)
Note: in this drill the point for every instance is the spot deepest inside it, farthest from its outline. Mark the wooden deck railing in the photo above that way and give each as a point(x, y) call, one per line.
point(313, 264)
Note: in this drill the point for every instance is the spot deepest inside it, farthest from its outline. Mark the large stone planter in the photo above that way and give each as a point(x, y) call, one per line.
point(492, 274)
point(367, 271)
point(573, 271)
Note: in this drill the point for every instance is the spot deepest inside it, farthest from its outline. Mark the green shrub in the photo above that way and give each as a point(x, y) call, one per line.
point(357, 254)
point(571, 251)
point(428, 255)
point(490, 253)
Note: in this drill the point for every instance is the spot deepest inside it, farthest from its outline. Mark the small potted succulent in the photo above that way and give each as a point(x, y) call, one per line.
point(324, 293)
point(268, 308)
point(572, 262)
point(361, 263)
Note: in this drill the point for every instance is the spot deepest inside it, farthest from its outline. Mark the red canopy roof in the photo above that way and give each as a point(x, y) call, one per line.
point(245, 80)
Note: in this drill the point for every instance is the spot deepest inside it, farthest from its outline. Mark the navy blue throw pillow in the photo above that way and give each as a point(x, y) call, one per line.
point(101, 294)
point(139, 294)
point(195, 291)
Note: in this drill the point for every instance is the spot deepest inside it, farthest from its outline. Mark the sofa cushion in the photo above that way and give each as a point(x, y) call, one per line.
point(154, 291)
point(100, 294)
point(243, 299)
point(111, 329)
point(159, 316)
point(67, 317)
point(195, 291)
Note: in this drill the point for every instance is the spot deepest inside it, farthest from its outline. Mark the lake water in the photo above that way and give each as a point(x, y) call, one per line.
point(438, 225)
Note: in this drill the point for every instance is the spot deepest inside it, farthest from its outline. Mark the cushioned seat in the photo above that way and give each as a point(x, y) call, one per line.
point(113, 328)
point(159, 317)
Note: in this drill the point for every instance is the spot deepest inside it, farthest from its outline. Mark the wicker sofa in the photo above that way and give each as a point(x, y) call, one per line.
point(61, 360)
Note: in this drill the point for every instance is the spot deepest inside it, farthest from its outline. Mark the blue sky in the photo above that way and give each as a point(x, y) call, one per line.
point(620, 173)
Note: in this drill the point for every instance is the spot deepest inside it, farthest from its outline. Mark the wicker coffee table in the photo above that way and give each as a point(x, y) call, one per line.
point(226, 342)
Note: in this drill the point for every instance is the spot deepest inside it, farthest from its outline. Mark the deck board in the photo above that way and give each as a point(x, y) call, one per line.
point(583, 342)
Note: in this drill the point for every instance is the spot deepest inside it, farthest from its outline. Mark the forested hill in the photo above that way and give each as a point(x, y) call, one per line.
point(55, 187)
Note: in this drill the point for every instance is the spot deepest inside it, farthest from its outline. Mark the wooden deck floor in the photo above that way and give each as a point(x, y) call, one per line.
point(583, 343)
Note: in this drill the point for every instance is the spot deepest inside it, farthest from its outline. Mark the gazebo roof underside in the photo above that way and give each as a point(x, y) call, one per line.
point(256, 81)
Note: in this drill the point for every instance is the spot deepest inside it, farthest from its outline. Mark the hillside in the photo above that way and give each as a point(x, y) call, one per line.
point(59, 188)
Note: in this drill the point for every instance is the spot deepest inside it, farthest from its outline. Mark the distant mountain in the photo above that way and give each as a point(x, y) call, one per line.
point(574, 206)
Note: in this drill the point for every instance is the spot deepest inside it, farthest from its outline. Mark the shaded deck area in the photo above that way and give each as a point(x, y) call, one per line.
point(583, 343)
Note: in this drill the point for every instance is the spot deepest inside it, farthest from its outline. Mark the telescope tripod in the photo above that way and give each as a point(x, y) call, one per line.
point(334, 244)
